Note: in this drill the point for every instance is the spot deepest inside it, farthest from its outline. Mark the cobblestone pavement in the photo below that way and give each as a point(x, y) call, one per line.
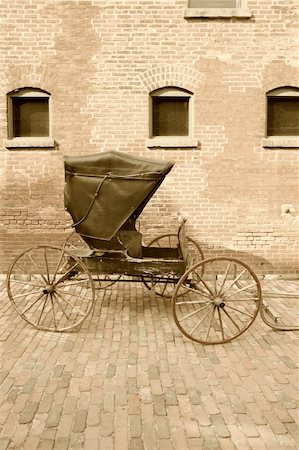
point(129, 380)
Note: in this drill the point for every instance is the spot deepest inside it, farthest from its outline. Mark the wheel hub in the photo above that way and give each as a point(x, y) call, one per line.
point(218, 301)
point(49, 289)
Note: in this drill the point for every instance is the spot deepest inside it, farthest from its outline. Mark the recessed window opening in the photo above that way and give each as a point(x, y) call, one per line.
point(30, 117)
point(283, 112)
point(171, 112)
point(170, 116)
point(28, 113)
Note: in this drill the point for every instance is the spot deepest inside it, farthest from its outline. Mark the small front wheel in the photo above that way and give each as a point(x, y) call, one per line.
point(50, 288)
point(222, 299)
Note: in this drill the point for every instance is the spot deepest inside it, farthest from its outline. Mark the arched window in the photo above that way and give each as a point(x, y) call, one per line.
point(171, 112)
point(28, 113)
point(283, 112)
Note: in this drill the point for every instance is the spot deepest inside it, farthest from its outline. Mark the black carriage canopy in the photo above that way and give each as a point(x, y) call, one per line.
point(105, 190)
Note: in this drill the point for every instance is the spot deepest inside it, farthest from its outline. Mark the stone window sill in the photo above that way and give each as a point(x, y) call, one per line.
point(172, 142)
point(29, 142)
point(217, 13)
point(281, 142)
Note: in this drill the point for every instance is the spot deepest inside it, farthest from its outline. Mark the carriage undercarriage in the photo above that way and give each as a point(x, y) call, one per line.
point(213, 301)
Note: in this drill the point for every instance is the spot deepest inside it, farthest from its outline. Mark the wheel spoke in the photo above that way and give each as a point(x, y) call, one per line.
point(24, 282)
point(194, 312)
point(77, 310)
point(62, 268)
point(210, 324)
point(195, 302)
point(47, 265)
point(30, 306)
point(196, 291)
point(75, 283)
point(73, 294)
point(205, 284)
point(37, 268)
point(225, 277)
point(43, 308)
point(221, 324)
point(58, 264)
point(200, 321)
point(234, 281)
point(29, 274)
point(215, 279)
point(28, 293)
point(230, 318)
point(64, 276)
point(233, 300)
point(60, 305)
point(240, 290)
point(239, 310)
point(53, 312)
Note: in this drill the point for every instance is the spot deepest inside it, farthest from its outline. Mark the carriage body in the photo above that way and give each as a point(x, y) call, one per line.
point(105, 194)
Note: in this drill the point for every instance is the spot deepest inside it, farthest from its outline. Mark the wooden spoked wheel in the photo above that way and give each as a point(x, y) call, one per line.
point(75, 242)
point(165, 284)
point(50, 288)
point(222, 299)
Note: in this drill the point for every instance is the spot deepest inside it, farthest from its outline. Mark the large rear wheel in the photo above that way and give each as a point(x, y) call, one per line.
point(222, 297)
point(50, 288)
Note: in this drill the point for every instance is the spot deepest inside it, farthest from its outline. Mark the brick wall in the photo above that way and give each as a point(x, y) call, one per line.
point(99, 60)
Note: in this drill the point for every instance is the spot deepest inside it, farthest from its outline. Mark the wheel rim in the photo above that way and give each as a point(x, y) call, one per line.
point(222, 299)
point(50, 288)
point(74, 242)
point(165, 284)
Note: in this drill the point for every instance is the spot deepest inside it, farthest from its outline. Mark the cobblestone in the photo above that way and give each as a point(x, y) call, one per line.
point(54, 416)
point(142, 386)
point(28, 413)
point(80, 421)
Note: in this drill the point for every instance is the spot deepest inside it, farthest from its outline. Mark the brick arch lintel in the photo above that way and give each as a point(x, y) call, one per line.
point(26, 76)
point(279, 75)
point(182, 76)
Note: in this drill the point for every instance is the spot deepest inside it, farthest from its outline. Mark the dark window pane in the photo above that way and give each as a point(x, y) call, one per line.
point(283, 116)
point(212, 3)
point(170, 116)
point(30, 117)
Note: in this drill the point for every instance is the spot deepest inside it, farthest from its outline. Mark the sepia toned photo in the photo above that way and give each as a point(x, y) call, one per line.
point(149, 257)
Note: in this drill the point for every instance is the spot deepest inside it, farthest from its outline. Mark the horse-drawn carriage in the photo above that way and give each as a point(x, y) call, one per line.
point(53, 288)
